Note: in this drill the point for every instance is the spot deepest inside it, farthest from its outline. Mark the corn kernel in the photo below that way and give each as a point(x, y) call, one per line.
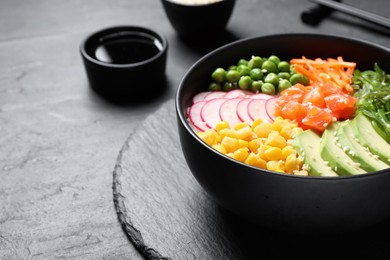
point(273, 154)
point(275, 139)
point(220, 148)
point(230, 144)
point(243, 143)
point(210, 137)
point(255, 144)
point(261, 151)
point(255, 123)
point(240, 154)
point(228, 132)
point(240, 125)
point(291, 164)
point(263, 130)
point(244, 133)
point(222, 125)
point(288, 150)
point(287, 132)
point(277, 166)
point(254, 160)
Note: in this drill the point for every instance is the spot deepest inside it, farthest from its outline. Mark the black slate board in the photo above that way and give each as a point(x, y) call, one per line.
point(167, 215)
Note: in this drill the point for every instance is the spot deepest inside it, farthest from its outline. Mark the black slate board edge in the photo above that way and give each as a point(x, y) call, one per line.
point(133, 234)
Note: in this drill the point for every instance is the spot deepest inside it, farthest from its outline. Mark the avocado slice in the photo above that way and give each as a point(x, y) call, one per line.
point(356, 151)
point(333, 152)
point(368, 137)
point(307, 143)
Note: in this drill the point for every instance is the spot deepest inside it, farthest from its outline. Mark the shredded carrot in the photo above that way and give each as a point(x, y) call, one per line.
point(330, 71)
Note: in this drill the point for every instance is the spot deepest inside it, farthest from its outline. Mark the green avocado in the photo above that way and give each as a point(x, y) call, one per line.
point(368, 137)
point(307, 143)
point(356, 151)
point(333, 152)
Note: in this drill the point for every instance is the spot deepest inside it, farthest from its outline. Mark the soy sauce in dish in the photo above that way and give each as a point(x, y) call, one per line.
point(127, 48)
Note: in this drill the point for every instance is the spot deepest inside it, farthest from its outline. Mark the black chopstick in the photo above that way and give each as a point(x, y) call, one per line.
point(368, 16)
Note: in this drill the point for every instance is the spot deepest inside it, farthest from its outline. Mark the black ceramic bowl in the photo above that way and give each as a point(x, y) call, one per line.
point(125, 60)
point(197, 20)
point(279, 201)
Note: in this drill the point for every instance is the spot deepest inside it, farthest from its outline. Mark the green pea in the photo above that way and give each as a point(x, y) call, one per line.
point(255, 62)
point(233, 75)
point(274, 58)
point(269, 66)
point(256, 86)
point(232, 67)
point(283, 84)
point(299, 78)
point(272, 78)
point(228, 86)
point(242, 62)
point(256, 74)
point(245, 82)
point(214, 86)
point(284, 66)
point(244, 70)
point(268, 88)
point(284, 75)
point(219, 75)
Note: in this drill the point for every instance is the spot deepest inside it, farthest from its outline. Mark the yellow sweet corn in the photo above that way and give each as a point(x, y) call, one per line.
point(222, 125)
point(273, 154)
point(263, 129)
point(277, 166)
point(210, 137)
point(275, 139)
point(255, 160)
point(230, 144)
point(255, 144)
point(240, 154)
point(288, 150)
point(262, 144)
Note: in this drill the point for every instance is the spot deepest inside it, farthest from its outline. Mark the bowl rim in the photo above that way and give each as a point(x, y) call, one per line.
point(123, 28)
point(184, 122)
point(177, 3)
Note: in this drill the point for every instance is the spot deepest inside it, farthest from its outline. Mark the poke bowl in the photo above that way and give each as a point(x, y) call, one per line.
point(305, 156)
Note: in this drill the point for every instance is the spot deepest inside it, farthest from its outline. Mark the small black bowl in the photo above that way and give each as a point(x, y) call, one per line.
point(125, 60)
point(197, 20)
point(299, 204)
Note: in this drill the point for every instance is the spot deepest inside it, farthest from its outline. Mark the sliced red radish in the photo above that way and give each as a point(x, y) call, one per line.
point(238, 93)
point(228, 111)
point(270, 107)
point(261, 96)
point(214, 94)
point(200, 96)
point(195, 118)
point(210, 111)
point(256, 109)
point(242, 111)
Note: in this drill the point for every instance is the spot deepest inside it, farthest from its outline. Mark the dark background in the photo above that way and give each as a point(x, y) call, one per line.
point(59, 140)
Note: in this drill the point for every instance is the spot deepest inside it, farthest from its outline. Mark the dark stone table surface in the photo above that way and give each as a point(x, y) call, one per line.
point(59, 141)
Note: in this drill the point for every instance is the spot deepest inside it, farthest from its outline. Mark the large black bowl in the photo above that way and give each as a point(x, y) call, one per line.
point(278, 201)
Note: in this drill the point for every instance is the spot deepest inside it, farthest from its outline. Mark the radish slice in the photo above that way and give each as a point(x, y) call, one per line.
point(238, 93)
point(270, 107)
point(256, 109)
point(210, 112)
point(200, 96)
point(214, 94)
point(228, 111)
point(195, 118)
point(261, 96)
point(242, 111)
